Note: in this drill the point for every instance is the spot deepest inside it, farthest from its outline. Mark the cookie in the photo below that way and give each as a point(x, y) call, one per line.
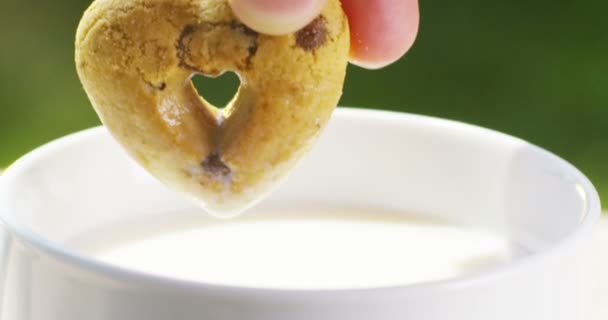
point(136, 58)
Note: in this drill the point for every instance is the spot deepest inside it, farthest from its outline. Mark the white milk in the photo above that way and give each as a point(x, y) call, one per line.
point(306, 251)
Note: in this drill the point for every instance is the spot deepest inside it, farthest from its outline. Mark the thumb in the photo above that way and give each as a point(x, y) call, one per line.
point(276, 17)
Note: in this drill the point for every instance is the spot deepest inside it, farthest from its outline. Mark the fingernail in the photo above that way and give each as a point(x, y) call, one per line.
point(276, 17)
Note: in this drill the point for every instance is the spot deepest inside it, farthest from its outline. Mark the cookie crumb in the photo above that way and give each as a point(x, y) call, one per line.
point(214, 165)
point(313, 35)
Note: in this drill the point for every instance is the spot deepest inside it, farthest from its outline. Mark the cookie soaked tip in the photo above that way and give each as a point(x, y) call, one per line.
point(277, 17)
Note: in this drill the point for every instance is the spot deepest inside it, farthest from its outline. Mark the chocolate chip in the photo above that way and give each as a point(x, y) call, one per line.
point(253, 49)
point(243, 28)
point(214, 165)
point(160, 87)
point(313, 35)
point(181, 47)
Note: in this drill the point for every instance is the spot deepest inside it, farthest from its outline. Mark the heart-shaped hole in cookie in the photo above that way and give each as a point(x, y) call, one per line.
point(218, 91)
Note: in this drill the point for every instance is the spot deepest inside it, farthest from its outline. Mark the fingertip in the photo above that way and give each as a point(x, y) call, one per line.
point(276, 17)
point(382, 31)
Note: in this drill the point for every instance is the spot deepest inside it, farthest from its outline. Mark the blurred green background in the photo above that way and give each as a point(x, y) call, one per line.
point(537, 69)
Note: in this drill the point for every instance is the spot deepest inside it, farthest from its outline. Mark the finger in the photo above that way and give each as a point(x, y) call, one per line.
point(382, 31)
point(276, 17)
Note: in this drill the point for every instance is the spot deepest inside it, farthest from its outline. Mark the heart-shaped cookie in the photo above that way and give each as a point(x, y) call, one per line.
point(136, 58)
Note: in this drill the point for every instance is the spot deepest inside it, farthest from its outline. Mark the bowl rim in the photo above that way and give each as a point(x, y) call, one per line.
point(125, 275)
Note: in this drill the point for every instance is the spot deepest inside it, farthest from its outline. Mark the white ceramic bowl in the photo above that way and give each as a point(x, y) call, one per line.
point(453, 171)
